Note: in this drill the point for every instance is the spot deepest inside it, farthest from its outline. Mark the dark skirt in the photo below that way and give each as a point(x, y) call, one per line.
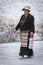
point(24, 50)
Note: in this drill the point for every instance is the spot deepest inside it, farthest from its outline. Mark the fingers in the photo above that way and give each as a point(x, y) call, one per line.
point(14, 30)
point(31, 34)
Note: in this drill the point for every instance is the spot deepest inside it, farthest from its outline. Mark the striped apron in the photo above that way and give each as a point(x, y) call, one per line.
point(24, 38)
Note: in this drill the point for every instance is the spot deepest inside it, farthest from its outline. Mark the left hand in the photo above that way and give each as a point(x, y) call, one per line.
point(31, 33)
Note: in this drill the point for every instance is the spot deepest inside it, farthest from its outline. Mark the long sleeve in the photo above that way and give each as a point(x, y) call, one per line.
point(32, 28)
point(18, 26)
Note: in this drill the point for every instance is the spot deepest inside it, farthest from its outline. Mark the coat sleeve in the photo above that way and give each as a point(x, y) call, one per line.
point(18, 25)
point(32, 27)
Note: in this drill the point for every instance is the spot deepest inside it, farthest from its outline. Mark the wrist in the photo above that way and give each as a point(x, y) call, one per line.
point(31, 33)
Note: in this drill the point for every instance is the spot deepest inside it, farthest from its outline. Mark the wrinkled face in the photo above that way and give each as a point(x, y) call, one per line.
point(26, 12)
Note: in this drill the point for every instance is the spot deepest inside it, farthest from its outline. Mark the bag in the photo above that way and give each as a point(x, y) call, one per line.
point(30, 42)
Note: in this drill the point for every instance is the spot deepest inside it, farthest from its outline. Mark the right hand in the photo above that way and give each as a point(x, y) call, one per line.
point(14, 30)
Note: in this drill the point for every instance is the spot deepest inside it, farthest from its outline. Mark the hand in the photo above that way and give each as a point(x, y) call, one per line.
point(14, 30)
point(31, 33)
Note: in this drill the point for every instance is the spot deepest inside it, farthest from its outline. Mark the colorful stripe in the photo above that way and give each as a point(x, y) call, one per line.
point(24, 38)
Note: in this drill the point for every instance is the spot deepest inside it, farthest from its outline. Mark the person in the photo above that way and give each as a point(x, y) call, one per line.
point(27, 29)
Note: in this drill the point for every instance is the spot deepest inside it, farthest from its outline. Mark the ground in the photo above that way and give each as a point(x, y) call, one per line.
point(9, 54)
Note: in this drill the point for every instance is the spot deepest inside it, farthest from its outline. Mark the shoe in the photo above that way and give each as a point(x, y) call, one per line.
point(21, 57)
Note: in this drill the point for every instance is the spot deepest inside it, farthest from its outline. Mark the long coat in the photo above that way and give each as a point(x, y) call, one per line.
point(28, 23)
point(25, 24)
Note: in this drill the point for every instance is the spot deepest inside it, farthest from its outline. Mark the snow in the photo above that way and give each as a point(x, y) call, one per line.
point(9, 54)
point(11, 11)
point(12, 8)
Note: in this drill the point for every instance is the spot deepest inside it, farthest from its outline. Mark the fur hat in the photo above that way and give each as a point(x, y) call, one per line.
point(26, 8)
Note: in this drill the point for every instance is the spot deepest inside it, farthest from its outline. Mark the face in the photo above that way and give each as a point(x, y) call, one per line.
point(26, 12)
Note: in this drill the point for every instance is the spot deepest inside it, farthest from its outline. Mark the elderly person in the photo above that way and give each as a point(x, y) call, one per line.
point(26, 26)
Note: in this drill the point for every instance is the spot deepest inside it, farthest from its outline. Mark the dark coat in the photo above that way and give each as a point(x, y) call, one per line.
point(26, 23)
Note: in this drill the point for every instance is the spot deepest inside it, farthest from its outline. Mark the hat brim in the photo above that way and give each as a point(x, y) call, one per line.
point(25, 9)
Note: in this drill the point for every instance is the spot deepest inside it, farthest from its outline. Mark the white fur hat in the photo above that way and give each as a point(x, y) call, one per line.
point(26, 8)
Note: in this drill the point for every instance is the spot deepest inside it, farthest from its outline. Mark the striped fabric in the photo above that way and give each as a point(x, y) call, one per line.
point(24, 38)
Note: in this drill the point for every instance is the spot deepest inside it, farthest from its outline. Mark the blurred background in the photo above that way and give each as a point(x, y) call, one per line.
point(10, 13)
